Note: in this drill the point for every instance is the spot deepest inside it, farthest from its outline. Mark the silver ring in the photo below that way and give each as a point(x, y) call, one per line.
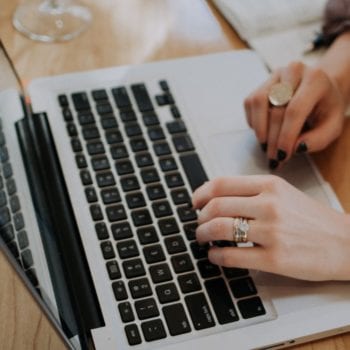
point(240, 230)
point(280, 94)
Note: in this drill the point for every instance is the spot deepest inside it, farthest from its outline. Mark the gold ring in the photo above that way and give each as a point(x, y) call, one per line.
point(240, 230)
point(280, 94)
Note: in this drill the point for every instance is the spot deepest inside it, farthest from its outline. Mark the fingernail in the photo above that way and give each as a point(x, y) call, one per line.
point(263, 146)
point(273, 164)
point(281, 155)
point(302, 148)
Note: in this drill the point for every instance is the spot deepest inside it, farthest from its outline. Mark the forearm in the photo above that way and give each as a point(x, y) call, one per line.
point(336, 63)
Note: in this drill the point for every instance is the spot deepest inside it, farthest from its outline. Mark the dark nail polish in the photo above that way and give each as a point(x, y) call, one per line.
point(281, 155)
point(264, 147)
point(273, 164)
point(302, 148)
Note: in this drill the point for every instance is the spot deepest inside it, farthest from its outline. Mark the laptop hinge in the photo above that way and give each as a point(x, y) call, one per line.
point(71, 278)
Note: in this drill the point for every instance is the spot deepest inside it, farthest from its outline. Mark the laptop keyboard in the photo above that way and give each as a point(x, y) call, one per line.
point(138, 176)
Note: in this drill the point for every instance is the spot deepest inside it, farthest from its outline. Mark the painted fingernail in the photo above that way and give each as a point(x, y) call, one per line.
point(281, 155)
point(302, 148)
point(263, 146)
point(273, 164)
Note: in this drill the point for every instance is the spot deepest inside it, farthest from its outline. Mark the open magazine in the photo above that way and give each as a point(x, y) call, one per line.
point(279, 30)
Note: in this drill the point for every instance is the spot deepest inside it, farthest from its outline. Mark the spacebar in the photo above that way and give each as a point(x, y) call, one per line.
point(194, 170)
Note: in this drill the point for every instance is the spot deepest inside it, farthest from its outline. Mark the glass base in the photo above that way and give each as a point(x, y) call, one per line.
point(52, 20)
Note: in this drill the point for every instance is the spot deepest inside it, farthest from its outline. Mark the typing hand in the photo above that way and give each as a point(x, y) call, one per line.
point(311, 120)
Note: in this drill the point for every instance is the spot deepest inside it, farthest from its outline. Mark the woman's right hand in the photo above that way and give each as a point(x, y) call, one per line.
point(311, 120)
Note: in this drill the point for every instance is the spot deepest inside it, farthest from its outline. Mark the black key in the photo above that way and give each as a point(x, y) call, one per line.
point(129, 183)
point(176, 126)
point(221, 301)
point(105, 179)
point(186, 214)
point(5, 216)
point(168, 226)
point(113, 136)
point(11, 187)
point(113, 270)
point(96, 212)
point(7, 170)
point(119, 152)
point(161, 148)
point(6, 232)
point(110, 195)
point(135, 200)
point(133, 268)
point(85, 177)
point(153, 330)
point(207, 269)
point(27, 259)
point(161, 100)
point(121, 97)
point(160, 273)
point(18, 221)
point(109, 122)
point(141, 217)
point(175, 244)
point(182, 263)
point(251, 307)
point(91, 194)
point(76, 145)
point(31, 274)
point(138, 144)
point(150, 118)
point(14, 204)
point(4, 155)
point(3, 199)
point(116, 213)
point(147, 235)
point(81, 101)
point(90, 132)
point(199, 310)
point(161, 209)
point(149, 175)
point(100, 163)
point(86, 118)
point(235, 272)
point(124, 167)
point(104, 108)
point(63, 100)
point(174, 180)
point(121, 230)
point(125, 311)
point(101, 230)
point(183, 143)
point(14, 249)
point(95, 147)
point(154, 254)
point(119, 290)
point(133, 334)
point(156, 133)
point(164, 85)
point(155, 192)
point(175, 112)
point(81, 161)
point(180, 196)
point(176, 319)
point(189, 283)
point(243, 287)
point(146, 308)
point(107, 250)
point(199, 251)
point(127, 249)
point(194, 170)
point(142, 98)
point(168, 164)
point(167, 293)
point(140, 288)
point(133, 129)
point(99, 95)
point(127, 116)
point(143, 160)
point(22, 238)
point(190, 231)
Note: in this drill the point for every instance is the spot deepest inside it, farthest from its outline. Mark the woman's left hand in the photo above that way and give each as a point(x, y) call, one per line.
point(293, 235)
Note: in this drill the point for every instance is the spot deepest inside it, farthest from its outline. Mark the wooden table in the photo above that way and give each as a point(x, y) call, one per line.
point(124, 32)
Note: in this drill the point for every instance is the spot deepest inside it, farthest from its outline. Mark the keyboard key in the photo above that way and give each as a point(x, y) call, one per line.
point(147, 235)
point(105, 179)
point(63, 100)
point(186, 213)
point(190, 231)
point(119, 152)
point(99, 95)
point(194, 170)
point(80, 101)
point(96, 212)
point(104, 108)
point(133, 334)
point(119, 290)
point(235, 272)
point(129, 183)
point(155, 192)
point(141, 217)
point(207, 269)
point(168, 164)
point(76, 145)
point(135, 200)
point(243, 287)
point(90, 132)
point(168, 226)
point(107, 250)
point(183, 143)
point(143, 159)
point(142, 98)
point(133, 129)
point(81, 161)
point(174, 180)
point(164, 85)
point(127, 249)
point(95, 147)
point(175, 112)
point(85, 177)
point(109, 122)
point(199, 311)
point(160, 273)
point(100, 163)
point(221, 301)
point(124, 167)
point(149, 175)
point(189, 283)
point(150, 118)
point(167, 293)
point(251, 307)
point(176, 319)
point(175, 244)
point(22, 238)
point(121, 97)
point(146, 308)
point(176, 126)
point(125, 311)
point(113, 136)
point(140, 288)
point(199, 251)
point(110, 195)
point(127, 116)
point(156, 133)
point(27, 259)
point(113, 270)
point(153, 330)
point(161, 148)
point(121, 230)
point(182, 263)
point(133, 268)
point(86, 118)
point(154, 254)
point(116, 213)
point(101, 230)
point(161, 209)
point(138, 144)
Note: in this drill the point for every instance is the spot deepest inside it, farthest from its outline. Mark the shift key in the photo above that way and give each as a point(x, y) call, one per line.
point(199, 310)
point(194, 170)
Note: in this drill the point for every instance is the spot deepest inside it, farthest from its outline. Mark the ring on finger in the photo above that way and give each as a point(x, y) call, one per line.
point(280, 94)
point(240, 230)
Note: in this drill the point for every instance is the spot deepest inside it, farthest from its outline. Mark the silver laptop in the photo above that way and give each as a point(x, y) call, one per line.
point(96, 177)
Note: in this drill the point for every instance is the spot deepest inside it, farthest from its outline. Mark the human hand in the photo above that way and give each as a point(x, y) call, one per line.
point(317, 102)
point(293, 235)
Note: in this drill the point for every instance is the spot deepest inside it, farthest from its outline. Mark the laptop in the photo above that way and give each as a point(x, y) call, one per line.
point(97, 171)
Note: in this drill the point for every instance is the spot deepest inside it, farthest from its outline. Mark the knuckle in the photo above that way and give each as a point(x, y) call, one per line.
point(316, 73)
point(273, 183)
point(217, 185)
point(213, 207)
point(295, 66)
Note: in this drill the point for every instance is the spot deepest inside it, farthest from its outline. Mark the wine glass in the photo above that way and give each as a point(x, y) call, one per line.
point(51, 20)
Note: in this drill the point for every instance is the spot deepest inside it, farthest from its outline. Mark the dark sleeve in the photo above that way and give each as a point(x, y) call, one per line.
point(336, 19)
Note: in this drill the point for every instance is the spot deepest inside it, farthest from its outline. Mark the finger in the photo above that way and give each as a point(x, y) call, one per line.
point(222, 229)
point(247, 207)
point(292, 74)
point(229, 186)
point(248, 112)
point(248, 257)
